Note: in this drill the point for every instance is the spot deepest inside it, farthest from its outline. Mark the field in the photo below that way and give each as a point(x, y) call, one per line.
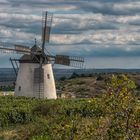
point(89, 86)
point(112, 115)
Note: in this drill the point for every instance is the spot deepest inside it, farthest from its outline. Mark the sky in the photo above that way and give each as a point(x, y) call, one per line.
point(103, 29)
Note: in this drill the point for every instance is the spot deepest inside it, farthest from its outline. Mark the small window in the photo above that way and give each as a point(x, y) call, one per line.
point(48, 76)
point(19, 88)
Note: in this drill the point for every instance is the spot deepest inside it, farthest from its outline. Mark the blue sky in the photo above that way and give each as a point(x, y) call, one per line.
point(89, 28)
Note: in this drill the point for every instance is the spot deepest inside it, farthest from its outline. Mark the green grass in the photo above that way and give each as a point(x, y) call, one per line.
point(28, 118)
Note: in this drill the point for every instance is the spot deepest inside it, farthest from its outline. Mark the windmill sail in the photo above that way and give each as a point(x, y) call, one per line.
point(21, 48)
point(73, 61)
point(62, 59)
point(47, 22)
point(18, 51)
point(47, 33)
point(12, 50)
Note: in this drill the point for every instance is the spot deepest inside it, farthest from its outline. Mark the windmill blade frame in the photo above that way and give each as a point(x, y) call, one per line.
point(13, 50)
point(46, 27)
point(73, 61)
point(21, 48)
point(18, 51)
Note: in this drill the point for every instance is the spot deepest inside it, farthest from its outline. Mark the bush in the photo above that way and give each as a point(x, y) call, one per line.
point(74, 75)
point(47, 109)
point(120, 104)
point(63, 78)
point(14, 116)
point(99, 78)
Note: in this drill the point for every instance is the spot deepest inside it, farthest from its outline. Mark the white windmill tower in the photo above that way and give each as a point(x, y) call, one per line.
point(35, 75)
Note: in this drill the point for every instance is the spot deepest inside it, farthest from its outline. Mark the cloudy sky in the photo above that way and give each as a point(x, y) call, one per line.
point(89, 28)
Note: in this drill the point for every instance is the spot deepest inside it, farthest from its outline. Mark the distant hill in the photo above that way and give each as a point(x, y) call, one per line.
point(7, 75)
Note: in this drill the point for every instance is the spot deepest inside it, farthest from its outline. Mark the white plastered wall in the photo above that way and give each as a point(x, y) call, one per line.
point(25, 81)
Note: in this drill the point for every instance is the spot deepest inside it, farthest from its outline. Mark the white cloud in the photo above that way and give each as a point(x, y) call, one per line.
point(111, 23)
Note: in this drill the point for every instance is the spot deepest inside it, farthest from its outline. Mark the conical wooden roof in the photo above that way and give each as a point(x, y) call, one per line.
point(31, 58)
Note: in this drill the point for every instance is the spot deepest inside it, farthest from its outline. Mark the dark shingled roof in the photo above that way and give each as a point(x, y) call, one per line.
point(31, 58)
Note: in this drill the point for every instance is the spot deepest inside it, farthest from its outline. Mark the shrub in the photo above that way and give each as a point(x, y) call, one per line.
point(63, 78)
point(99, 78)
point(47, 109)
point(120, 104)
point(74, 75)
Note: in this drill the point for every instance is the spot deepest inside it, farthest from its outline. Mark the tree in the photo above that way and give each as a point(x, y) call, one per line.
point(120, 105)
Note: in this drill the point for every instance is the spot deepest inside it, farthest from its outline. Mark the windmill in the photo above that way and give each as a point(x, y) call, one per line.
point(34, 73)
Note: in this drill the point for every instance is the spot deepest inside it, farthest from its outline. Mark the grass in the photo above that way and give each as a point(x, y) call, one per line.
point(28, 118)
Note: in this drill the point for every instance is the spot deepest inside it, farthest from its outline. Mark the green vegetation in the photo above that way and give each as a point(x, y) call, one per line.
point(7, 88)
point(89, 86)
point(115, 115)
